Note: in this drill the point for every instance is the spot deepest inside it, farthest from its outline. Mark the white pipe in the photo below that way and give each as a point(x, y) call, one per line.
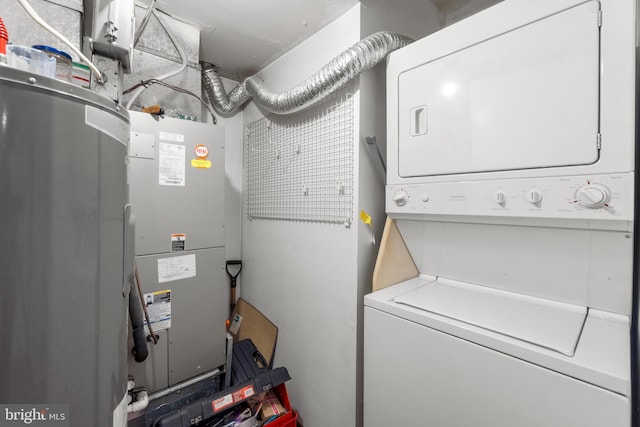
point(168, 74)
point(55, 32)
point(141, 403)
point(144, 22)
point(184, 384)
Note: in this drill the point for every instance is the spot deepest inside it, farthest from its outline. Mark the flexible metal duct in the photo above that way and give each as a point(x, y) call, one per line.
point(360, 57)
point(221, 102)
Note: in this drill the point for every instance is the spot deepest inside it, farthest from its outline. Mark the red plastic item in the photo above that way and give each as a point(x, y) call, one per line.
point(290, 419)
point(4, 37)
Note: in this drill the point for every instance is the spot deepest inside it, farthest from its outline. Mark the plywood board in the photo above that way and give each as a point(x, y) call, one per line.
point(248, 322)
point(394, 263)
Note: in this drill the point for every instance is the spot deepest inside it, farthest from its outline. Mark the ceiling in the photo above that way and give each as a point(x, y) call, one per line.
point(242, 36)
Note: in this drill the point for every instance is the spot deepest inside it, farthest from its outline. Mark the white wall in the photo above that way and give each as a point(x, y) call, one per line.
point(302, 275)
point(457, 10)
point(308, 278)
point(415, 19)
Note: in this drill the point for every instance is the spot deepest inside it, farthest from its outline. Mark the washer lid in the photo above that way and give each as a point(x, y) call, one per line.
point(550, 324)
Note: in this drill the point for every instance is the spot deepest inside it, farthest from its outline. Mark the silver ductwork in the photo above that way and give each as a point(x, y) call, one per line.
point(360, 57)
point(223, 103)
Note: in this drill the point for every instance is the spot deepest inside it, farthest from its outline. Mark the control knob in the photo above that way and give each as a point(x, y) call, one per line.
point(500, 197)
point(534, 196)
point(593, 196)
point(400, 197)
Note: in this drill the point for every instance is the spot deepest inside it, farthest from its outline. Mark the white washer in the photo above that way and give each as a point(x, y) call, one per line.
point(511, 139)
point(424, 368)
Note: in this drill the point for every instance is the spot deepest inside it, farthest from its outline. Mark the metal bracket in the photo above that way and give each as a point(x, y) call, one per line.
point(111, 32)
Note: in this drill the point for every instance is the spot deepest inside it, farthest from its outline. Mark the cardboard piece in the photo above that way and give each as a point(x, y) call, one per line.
point(394, 263)
point(248, 322)
point(271, 408)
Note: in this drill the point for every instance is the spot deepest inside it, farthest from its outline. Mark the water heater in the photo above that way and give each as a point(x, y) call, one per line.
point(66, 255)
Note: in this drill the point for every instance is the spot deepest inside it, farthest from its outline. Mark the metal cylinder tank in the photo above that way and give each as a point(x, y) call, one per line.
point(64, 252)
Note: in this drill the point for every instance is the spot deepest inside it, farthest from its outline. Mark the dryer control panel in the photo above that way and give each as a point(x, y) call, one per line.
point(596, 197)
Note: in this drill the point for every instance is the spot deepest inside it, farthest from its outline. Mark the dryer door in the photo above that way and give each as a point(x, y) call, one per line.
point(528, 98)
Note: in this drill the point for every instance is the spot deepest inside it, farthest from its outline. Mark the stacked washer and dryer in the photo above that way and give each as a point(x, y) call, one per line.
point(511, 156)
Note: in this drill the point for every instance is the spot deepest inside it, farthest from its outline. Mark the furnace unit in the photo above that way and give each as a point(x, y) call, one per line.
point(177, 181)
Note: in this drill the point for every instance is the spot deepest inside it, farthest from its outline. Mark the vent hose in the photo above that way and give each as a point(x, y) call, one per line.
point(223, 103)
point(140, 350)
point(360, 57)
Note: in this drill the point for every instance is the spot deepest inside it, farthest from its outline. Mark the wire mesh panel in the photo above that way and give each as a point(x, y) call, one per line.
point(300, 167)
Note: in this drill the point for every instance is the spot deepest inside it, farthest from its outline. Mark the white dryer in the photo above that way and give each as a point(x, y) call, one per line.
point(511, 147)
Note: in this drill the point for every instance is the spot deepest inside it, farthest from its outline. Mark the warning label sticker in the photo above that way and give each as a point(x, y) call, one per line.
point(201, 163)
point(178, 242)
point(159, 309)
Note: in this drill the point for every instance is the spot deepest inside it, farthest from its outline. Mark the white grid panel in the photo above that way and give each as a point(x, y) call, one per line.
point(300, 167)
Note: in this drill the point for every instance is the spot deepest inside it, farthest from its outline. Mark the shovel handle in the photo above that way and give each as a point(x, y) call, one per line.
point(233, 299)
point(233, 277)
point(233, 262)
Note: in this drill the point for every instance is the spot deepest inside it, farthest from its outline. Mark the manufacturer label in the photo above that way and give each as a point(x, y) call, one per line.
point(176, 268)
point(159, 309)
point(171, 168)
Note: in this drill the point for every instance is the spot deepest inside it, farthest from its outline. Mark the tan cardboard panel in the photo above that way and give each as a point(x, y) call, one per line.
point(394, 263)
point(248, 322)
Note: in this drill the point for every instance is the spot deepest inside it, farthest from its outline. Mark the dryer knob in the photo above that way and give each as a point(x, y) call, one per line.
point(534, 196)
point(500, 197)
point(593, 196)
point(400, 197)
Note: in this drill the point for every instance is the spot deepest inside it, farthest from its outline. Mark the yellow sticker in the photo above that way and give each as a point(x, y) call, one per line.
point(201, 163)
point(365, 217)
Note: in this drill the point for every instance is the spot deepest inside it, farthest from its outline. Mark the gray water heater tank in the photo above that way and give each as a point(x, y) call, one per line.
point(65, 252)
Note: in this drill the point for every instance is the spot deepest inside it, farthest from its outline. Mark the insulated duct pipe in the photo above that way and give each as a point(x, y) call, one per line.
point(140, 350)
point(360, 57)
